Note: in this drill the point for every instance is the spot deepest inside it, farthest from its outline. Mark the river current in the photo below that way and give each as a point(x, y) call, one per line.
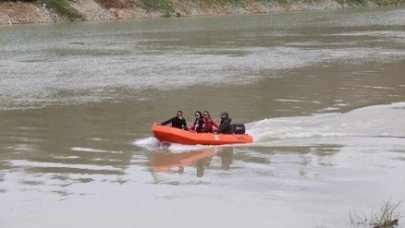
point(322, 94)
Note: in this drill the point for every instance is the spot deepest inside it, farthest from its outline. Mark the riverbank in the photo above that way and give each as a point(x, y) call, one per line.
point(45, 11)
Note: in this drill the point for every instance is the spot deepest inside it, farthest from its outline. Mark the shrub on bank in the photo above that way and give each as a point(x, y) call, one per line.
point(387, 2)
point(63, 8)
point(386, 217)
point(165, 6)
point(119, 4)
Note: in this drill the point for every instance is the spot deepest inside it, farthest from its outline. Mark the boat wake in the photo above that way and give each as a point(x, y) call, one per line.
point(373, 124)
point(377, 124)
point(153, 144)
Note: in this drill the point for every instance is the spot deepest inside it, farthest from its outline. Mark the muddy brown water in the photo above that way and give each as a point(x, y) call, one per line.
point(322, 93)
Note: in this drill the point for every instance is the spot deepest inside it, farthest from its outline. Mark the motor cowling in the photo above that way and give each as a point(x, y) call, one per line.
point(238, 128)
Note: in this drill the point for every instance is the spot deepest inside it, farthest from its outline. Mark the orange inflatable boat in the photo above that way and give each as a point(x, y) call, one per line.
point(175, 135)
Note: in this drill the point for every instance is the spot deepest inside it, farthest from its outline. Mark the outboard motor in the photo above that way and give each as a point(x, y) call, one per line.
point(238, 128)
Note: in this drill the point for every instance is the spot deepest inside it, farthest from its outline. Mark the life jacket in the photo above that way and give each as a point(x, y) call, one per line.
point(208, 125)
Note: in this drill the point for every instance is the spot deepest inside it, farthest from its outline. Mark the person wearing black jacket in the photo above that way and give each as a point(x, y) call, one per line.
point(178, 121)
point(198, 122)
point(225, 125)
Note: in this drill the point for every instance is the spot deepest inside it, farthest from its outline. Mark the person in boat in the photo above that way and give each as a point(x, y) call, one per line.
point(209, 123)
point(178, 121)
point(225, 125)
point(198, 122)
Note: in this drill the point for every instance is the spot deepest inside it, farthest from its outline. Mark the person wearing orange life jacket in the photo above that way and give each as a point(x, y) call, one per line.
point(208, 123)
point(198, 122)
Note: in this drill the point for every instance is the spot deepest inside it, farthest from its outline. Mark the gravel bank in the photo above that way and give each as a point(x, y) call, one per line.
point(23, 13)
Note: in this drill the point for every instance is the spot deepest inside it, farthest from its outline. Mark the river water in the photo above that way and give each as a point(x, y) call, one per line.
point(322, 93)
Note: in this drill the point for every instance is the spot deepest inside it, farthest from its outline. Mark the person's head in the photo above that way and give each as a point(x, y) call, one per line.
point(198, 115)
point(179, 114)
point(206, 114)
point(224, 115)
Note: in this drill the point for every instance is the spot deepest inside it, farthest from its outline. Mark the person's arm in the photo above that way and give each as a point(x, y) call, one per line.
point(200, 125)
point(215, 124)
point(184, 124)
point(221, 128)
point(192, 128)
point(167, 121)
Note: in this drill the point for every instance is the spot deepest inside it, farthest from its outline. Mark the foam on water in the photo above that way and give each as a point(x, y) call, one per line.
point(147, 142)
point(91, 150)
point(385, 33)
point(26, 163)
point(153, 144)
point(378, 121)
point(371, 121)
point(87, 150)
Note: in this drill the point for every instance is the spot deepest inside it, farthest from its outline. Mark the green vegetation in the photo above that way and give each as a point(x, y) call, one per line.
point(62, 7)
point(221, 2)
point(119, 4)
point(386, 217)
point(388, 2)
point(164, 6)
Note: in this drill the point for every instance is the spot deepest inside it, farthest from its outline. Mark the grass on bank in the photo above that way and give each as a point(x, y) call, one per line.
point(386, 217)
point(63, 8)
point(165, 6)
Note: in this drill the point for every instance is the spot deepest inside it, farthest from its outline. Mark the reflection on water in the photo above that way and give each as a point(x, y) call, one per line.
point(199, 159)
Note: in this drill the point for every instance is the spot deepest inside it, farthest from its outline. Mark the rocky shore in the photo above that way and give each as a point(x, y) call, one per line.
point(38, 12)
point(22, 13)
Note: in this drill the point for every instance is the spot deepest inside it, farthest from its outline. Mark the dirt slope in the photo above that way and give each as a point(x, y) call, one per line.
point(18, 12)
